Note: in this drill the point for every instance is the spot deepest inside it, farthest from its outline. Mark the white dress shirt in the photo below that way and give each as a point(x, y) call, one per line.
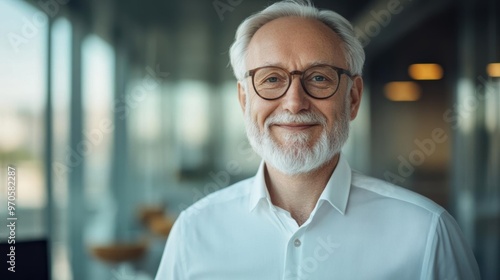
point(360, 228)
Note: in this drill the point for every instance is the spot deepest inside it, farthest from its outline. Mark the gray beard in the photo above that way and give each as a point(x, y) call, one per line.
point(295, 156)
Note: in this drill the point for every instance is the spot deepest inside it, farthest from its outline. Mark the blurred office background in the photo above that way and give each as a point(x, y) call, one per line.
point(120, 114)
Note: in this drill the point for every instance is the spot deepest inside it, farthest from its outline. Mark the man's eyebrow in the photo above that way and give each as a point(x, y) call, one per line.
point(320, 62)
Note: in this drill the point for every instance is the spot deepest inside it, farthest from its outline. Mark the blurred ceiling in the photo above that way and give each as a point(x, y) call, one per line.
point(193, 36)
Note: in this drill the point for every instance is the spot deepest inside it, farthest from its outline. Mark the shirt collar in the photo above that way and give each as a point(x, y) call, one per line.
point(259, 189)
point(336, 191)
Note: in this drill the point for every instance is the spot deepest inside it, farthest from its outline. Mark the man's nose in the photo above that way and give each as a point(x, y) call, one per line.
point(295, 99)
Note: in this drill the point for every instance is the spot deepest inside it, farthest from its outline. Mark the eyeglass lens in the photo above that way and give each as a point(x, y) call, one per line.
point(272, 82)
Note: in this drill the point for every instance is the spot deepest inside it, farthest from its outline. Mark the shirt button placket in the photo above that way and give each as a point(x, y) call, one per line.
point(293, 256)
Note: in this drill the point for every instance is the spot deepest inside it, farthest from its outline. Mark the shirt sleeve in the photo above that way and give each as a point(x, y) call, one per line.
point(172, 264)
point(448, 256)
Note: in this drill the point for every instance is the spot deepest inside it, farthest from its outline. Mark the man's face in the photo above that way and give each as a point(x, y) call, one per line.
point(297, 124)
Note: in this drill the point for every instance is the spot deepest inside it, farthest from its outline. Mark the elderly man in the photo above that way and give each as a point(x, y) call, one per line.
point(306, 215)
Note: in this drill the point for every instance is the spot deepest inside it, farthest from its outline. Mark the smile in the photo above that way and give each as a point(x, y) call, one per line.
point(296, 126)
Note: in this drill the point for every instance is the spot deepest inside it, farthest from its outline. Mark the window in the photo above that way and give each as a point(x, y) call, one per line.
point(22, 89)
point(61, 92)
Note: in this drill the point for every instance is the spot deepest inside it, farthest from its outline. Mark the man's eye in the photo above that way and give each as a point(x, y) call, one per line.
point(271, 80)
point(319, 78)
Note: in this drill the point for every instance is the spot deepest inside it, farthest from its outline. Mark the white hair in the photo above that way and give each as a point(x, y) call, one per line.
point(353, 49)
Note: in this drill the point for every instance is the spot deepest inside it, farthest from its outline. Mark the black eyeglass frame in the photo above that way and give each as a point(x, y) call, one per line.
point(340, 71)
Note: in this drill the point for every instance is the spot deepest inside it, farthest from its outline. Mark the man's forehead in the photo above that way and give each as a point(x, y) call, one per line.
point(298, 26)
point(306, 65)
point(294, 39)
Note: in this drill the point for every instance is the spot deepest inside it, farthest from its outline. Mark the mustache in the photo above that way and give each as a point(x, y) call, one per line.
point(300, 118)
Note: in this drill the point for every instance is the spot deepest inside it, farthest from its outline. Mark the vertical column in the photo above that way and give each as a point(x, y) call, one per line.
point(463, 170)
point(213, 76)
point(119, 174)
point(77, 213)
point(488, 192)
point(48, 144)
point(476, 149)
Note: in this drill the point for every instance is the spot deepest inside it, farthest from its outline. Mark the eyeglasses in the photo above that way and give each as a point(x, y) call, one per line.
point(319, 81)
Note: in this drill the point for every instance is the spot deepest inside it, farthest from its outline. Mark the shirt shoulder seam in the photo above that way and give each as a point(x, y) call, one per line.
point(390, 190)
point(431, 235)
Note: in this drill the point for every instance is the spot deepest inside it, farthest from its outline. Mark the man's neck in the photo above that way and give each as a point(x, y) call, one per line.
point(298, 194)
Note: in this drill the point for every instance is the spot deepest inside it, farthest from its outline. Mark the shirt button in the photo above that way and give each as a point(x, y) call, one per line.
point(296, 243)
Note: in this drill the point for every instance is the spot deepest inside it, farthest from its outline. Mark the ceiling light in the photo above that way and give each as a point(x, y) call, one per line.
point(425, 71)
point(402, 91)
point(493, 70)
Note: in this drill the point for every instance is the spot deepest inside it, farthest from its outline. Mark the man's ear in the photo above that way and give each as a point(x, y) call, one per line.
point(356, 94)
point(242, 96)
